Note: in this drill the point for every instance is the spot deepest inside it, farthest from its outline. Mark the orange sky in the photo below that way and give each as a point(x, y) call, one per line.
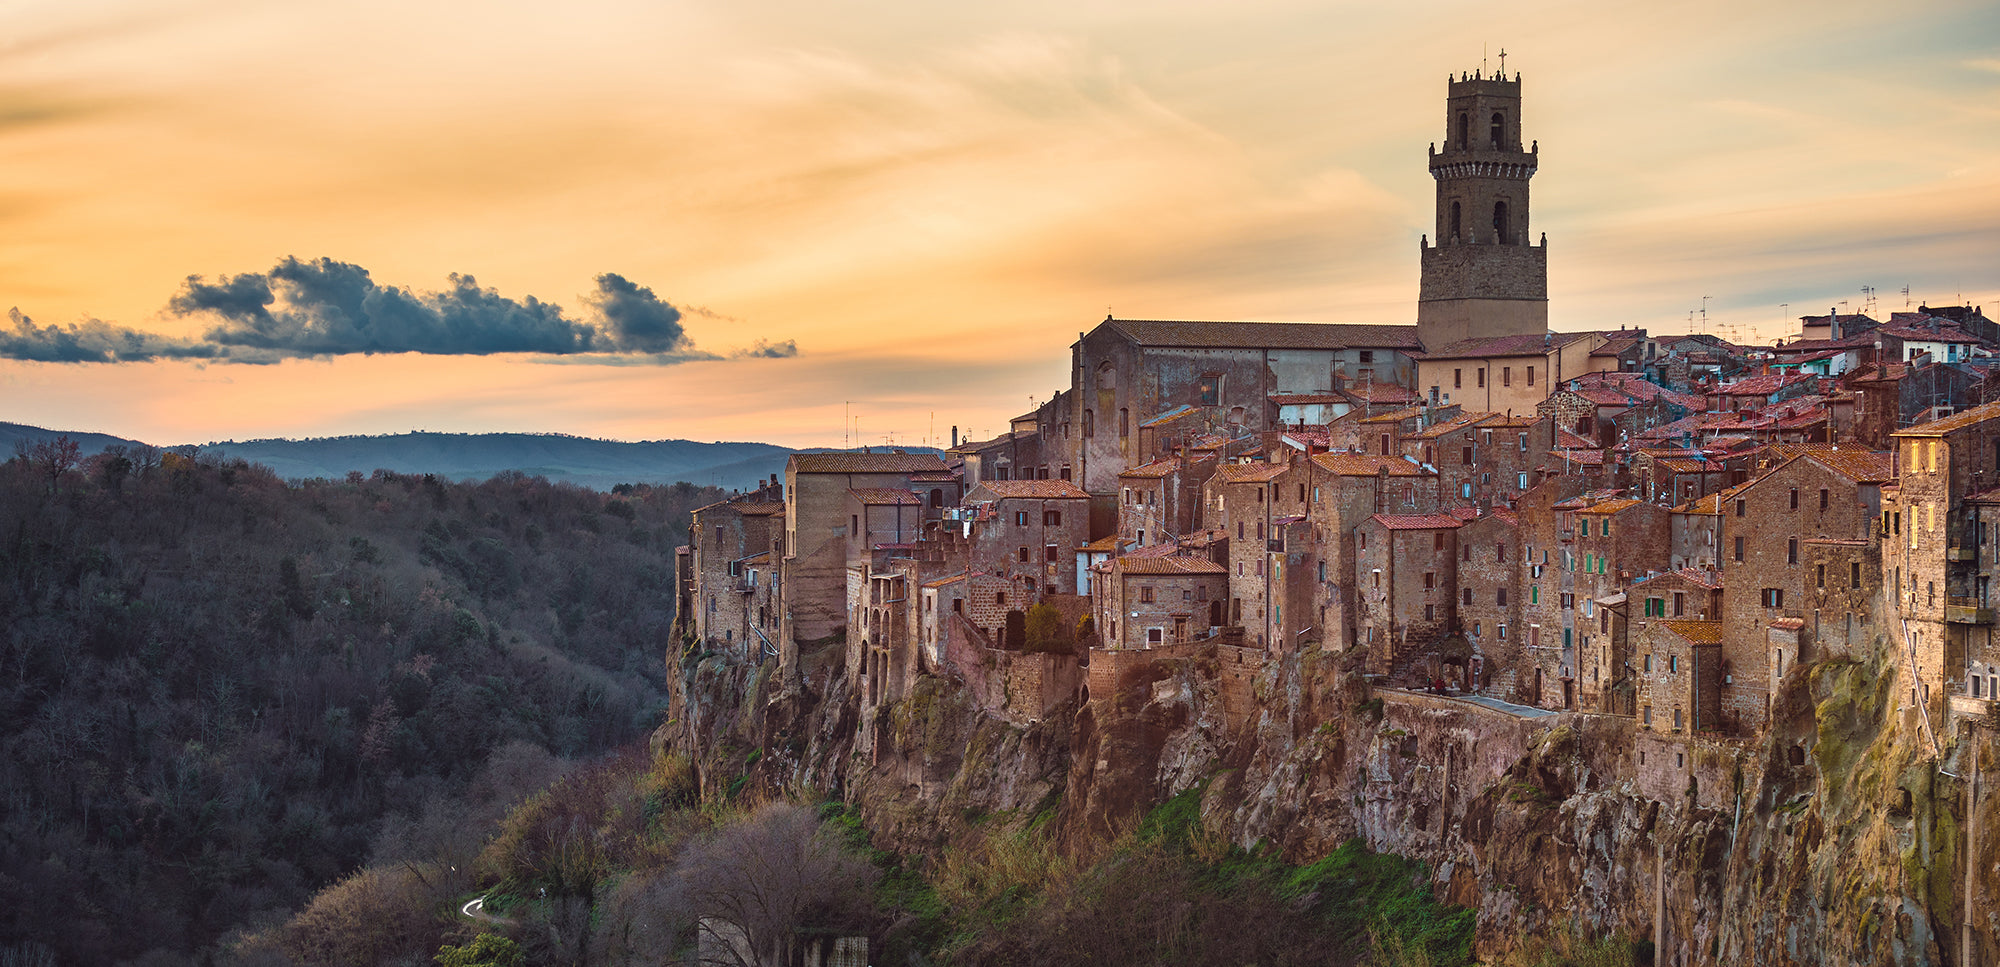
point(933, 203)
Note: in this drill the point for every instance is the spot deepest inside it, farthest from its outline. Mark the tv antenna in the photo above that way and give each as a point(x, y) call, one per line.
point(1868, 299)
point(1906, 297)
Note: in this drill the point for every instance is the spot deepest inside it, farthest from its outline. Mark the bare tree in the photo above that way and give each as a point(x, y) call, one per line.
point(761, 886)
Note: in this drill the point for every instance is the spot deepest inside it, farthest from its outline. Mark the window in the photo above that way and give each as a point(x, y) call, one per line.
point(1605, 528)
point(1457, 378)
point(1500, 596)
point(1822, 498)
point(1680, 604)
point(1506, 375)
point(1430, 580)
point(1656, 607)
point(1052, 518)
point(1673, 664)
point(1531, 381)
point(1503, 631)
point(1774, 597)
point(1457, 222)
point(1145, 595)
point(1208, 391)
point(1534, 594)
point(1465, 455)
point(1020, 518)
point(1795, 498)
point(1739, 506)
point(1468, 597)
point(1049, 553)
point(1124, 422)
point(1021, 554)
point(1480, 373)
point(999, 597)
point(1649, 664)
point(1499, 129)
point(1792, 551)
point(1437, 541)
point(1645, 715)
point(1430, 612)
point(1465, 553)
point(1089, 424)
point(1739, 548)
point(1475, 629)
point(1502, 233)
point(1822, 575)
point(1154, 635)
point(1854, 574)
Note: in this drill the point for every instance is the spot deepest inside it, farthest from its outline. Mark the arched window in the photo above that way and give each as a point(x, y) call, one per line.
point(1089, 424)
point(937, 497)
point(1464, 129)
point(1499, 129)
point(1456, 230)
point(1124, 422)
point(1500, 230)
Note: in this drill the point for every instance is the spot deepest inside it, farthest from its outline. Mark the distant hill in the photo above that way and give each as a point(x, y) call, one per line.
point(597, 464)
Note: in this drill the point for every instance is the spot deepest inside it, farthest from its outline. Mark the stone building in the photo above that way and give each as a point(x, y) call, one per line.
point(1611, 542)
point(1028, 531)
point(733, 547)
point(1148, 602)
point(1490, 556)
point(1511, 374)
point(1678, 674)
point(1160, 502)
point(1772, 571)
point(1932, 567)
point(1127, 372)
point(1405, 576)
point(817, 528)
point(1483, 278)
point(1241, 500)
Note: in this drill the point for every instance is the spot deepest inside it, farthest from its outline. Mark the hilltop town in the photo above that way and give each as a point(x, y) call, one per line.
point(1650, 539)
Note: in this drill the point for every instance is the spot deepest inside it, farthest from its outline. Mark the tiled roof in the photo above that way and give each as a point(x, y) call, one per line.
point(1696, 632)
point(1605, 396)
point(1705, 578)
point(1858, 465)
point(1306, 399)
point(1152, 471)
point(1908, 334)
point(760, 508)
point(1956, 421)
point(1416, 522)
point(1394, 416)
point(1178, 564)
point(1104, 545)
point(1759, 385)
point(1523, 344)
point(1711, 504)
point(1031, 489)
point(1436, 430)
point(941, 582)
point(864, 462)
point(1610, 506)
point(1363, 465)
point(1273, 335)
point(1585, 457)
point(934, 476)
point(1688, 465)
point(1235, 473)
point(885, 496)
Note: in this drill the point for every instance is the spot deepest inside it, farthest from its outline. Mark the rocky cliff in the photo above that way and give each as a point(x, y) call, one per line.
point(1838, 837)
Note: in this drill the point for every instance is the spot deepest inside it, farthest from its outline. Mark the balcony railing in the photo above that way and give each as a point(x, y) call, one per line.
point(1967, 611)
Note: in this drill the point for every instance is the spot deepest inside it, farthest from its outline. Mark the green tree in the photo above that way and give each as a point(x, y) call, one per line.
point(1046, 630)
point(485, 950)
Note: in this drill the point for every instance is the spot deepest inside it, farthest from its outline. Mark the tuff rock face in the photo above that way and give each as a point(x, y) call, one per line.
point(1848, 850)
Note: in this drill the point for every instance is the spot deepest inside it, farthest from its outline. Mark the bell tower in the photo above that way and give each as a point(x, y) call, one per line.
point(1483, 277)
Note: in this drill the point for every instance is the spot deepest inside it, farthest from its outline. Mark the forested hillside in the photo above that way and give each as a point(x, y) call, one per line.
point(219, 692)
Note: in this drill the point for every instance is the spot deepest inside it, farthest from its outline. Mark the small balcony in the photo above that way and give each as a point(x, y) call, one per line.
point(1967, 611)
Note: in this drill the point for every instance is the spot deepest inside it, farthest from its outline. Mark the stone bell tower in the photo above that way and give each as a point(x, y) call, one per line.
point(1483, 277)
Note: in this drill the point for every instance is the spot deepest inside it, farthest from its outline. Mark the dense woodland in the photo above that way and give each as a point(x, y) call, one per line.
point(220, 693)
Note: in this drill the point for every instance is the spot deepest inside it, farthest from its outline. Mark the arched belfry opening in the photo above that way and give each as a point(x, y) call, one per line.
point(1464, 129)
point(1457, 230)
point(1502, 233)
point(1499, 130)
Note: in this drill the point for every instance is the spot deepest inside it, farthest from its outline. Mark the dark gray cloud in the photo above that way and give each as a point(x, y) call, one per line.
point(635, 318)
point(329, 308)
point(92, 341)
point(323, 307)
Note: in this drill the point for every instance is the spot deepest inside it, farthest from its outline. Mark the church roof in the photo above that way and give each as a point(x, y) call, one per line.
point(1522, 344)
point(1271, 335)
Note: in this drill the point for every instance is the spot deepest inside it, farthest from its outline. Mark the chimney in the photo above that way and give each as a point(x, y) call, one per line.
point(954, 438)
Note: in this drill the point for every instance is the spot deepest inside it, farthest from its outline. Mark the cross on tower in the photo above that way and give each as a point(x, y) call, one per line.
point(1503, 62)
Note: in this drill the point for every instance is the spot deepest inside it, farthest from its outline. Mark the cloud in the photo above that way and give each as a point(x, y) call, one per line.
point(92, 341)
point(324, 308)
point(635, 318)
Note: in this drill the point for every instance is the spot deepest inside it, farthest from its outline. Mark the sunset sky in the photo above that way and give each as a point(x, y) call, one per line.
point(746, 221)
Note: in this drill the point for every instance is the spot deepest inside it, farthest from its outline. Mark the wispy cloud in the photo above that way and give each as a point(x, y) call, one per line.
point(325, 308)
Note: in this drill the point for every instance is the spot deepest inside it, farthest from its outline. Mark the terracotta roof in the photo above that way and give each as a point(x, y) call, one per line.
point(1705, 578)
point(1688, 465)
point(1759, 385)
point(1908, 334)
point(1436, 430)
point(941, 582)
point(885, 496)
point(1711, 504)
point(1416, 522)
point(1154, 470)
point(934, 476)
point(760, 508)
point(1178, 564)
point(1956, 421)
point(843, 462)
point(1610, 506)
point(1789, 624)
point(1572, 440)
point(1362, 465)
point(1605, 396)
point(1696, 632)
point(1104, 545)
point(1860, 466)
point(1585, 457)
point(1031, 489)
point(1306, 399)
point(1394, 415)
point(1235, 473)
point(1523, 344)
point(1275, 335)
